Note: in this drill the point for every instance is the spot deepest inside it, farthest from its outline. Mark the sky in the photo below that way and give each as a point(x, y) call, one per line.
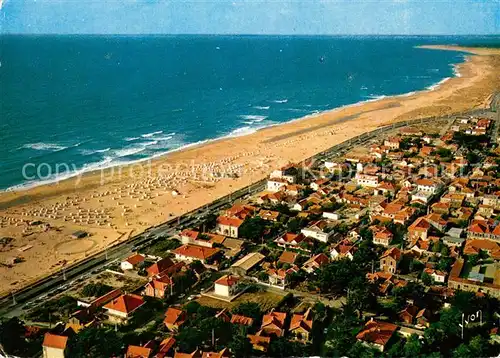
point(287, 17)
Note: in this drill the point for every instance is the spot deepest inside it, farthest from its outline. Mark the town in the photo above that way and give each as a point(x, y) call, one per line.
point(391, 248)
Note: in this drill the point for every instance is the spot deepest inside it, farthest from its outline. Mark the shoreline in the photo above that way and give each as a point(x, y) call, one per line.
point(82, 172)
point(202, 173)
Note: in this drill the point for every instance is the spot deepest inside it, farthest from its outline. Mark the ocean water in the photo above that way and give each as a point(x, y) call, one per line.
point(70, 104)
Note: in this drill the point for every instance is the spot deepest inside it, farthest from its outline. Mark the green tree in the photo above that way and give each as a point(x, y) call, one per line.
point(360, 295)
point(433, 337)
point(427, 279)
point(449, 322)
point(413, 347)
point(96, 289)
point(253, 229)
point(240, 346)
point(445, 251)
point(462, 351)
point(263, 276)
point(473, 259)
point(478, 346)
point(396, 350)
point(282, 347)
point(12, 336)
point(248, 309)
point(95, 342)
point(295, 224)
point(340, 336)
point(336, 276)
point(192, 307)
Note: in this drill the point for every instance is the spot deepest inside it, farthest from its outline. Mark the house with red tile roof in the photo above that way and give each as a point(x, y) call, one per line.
point(437, 221)
point(273, 323)
point(483, 229)
point(192, 253)
point(159, 287)
point(174, 318)
point(224, 353)
point(280, 277)
point(196, 354)
point(276, 184)
point(228, 226)
point(365, 180)
point(318, 230)
point(288, 257)
point(317, 184)
point(441, 208)
point(377, 334)
point(241, 320)
point(409, 314)
point(132, 261)
point(385, 281)
point(382, 236)
point(121, 309)
point(241, 211)
point(54, 345)
point(227, 285)
point(160, 266)
point(431, 186)
point(393, 142)
point(437, 275)
point(269, 215)
point(272, 198)
point(474, 247)
point(138, 352)
point(420, 246)
point(100, 301)
point(166, 348)
point(390, 259)
point(259, 343)
point(301, 326)
point(424, 318)
point(344, 248)
point(419, 229)
point(290, 239)
point(195, 238)
point(315, 263)
point(187, 235)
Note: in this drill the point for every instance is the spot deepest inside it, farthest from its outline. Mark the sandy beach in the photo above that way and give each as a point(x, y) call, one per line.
point(36, 224)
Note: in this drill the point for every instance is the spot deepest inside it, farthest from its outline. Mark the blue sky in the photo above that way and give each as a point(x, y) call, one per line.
point(293, 17)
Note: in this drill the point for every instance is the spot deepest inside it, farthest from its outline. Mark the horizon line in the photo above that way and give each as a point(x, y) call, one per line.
point(244, 34)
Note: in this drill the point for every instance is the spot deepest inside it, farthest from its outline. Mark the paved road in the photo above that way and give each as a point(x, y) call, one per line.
point(495, 106)
point(12, 304)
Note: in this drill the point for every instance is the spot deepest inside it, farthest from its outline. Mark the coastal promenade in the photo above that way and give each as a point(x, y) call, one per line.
point(12, 303)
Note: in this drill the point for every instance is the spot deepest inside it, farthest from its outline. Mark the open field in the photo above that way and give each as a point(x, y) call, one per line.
point(266, 300)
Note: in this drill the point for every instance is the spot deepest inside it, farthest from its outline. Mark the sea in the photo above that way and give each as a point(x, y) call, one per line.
point(71, 104)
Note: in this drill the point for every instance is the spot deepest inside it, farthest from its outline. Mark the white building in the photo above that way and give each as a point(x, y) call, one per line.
point(316, 231)
point(228, 226)
point(423, 196)
point(275, 184)
point(437, 276)
point(370, 181)
point(331, 216)
point(131, 262)
point(227, 285)
point(283, 173)
point(54, 346)
point(428, 185)
point(121, 309)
